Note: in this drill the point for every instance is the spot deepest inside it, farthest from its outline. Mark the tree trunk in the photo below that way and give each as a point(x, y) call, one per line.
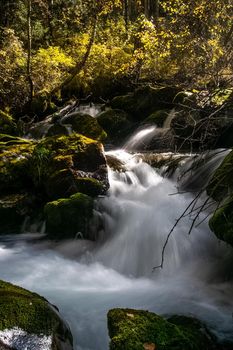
point(80, 65)
point(29, 49)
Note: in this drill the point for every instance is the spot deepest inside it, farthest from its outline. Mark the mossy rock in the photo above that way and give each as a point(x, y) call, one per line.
point(145, 101)
point(68, 217)
point(14, 167)
point(57, 129)
point(86, 125)
point(221, 223)
point(115, 122)
point(158, 117)
point(7, 124)
point(137, 330)
point(220, 185)
point(33, 314)
point(60, 163)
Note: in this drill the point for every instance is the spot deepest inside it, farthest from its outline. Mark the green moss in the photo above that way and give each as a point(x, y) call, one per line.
point(28, 311)
point(136, 330)
point(157, 117)
point(146, 100)
point(221, 222)
point(86, 125)
point(7, 124)
point(66, 217)
point(221, 182)
point(115, 122)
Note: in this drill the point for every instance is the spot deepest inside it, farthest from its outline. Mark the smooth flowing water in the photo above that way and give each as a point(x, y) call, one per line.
point(86, 279)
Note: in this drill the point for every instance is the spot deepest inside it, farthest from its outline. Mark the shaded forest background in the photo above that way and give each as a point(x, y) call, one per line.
point(60, 48)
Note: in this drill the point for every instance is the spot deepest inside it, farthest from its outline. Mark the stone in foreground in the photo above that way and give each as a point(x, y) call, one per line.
point(142, 330)
point(28, 321)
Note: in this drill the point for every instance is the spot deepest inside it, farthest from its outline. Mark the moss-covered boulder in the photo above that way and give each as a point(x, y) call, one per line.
point(7, 124)
point(63, 165)
point(86, 125)
point(145, 100)
point(14, 163)
point(158, 117)
point(115, 123)
point(69, 217)
point(137, 330)
point(220, 185)
point(221, 223)
point(28, 321)
point(55, 167)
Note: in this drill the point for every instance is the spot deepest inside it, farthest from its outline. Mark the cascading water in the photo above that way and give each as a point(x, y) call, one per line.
point(86, 279)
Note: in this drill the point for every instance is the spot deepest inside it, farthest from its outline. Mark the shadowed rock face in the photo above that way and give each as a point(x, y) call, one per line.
point(27, 320)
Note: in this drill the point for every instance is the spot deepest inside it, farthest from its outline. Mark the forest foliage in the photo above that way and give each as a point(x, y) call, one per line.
point(86, 46)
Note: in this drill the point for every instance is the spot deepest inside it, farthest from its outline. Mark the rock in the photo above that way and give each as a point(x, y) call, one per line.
point(85, 124)
point(136, 330)
point(221, 223)
point(145, 100)
point(55, 167)
point(158, 117)
point(57, 129)
point(64, 165)
point(69, 217)
point(220, 185)
point(14, 164)
point(115, 123)
point(7, 124)
point(28, 321)
point(13, 210)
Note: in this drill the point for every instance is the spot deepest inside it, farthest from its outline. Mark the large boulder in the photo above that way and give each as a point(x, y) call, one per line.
point(158, 117)
point(145, 100)
point(55, 167)
point(69, 217)
point(115, 123)
point(84, 124)
point(220, 185)
point(28, 321)
point(64, 165)
point(136, 330)
point(221, 223)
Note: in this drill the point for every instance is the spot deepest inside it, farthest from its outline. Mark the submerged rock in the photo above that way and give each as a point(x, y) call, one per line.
point(137, 330)
point(69, 217)
point(28, 321)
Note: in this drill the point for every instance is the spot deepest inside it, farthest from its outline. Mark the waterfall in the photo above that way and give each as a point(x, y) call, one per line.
point(85, 279)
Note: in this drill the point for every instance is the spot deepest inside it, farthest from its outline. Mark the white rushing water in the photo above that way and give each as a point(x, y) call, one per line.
point(86, 279)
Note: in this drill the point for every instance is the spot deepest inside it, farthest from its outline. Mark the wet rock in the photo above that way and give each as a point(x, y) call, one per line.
point(28, 321)
point(69, 217)
point(136, 330)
